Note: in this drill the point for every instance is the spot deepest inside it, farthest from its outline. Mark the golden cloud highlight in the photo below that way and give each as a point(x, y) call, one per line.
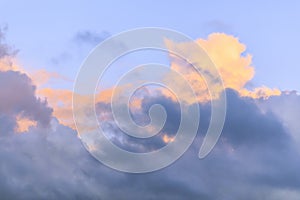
point(261, 92)
point(9, 63)
point(167, 139)
point(61, 102)
point(226, 52)
point(23, 124)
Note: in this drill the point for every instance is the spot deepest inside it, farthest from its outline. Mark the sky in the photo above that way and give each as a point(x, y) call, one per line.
point(254, 46)
point(45, 30)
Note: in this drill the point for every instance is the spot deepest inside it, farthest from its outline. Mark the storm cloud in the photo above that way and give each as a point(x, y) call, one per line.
point(256, 157)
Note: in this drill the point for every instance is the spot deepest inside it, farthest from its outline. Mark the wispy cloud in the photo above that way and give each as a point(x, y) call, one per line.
point(90, 37)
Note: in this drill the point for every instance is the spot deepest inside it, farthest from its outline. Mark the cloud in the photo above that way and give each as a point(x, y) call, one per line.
point(61, 102)
point(24, 105)
point(7, 53)
point(46, 164)
point(260, 92)
point(42, 76)
point(89, 37)
point(287, 110)
point(37, 80)
point(255, 158)
point(41, 162)
point(17, 96)
point(141, 117)
point(255, 153)
point(228, 55)
point(5, 49)
point(226, 52)
point(23, 124)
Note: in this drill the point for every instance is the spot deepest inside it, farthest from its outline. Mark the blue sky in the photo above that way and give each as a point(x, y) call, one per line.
point(45, 30)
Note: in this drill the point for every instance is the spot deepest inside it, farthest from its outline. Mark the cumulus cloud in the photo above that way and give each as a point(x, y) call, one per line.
point(255, 153)
point(17, 96)
point(46, 161)
point(286, 108)
point(226, 52)
point(228, 55)
point(19, 87)
point(256, 157)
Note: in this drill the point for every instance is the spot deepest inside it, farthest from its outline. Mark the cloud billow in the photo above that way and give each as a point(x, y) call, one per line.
point(255, 153)
point(257, 156)
point(17, 96)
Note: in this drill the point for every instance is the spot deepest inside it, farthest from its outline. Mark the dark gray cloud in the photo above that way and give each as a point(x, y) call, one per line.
point(287, 110)
point(246, 123)
point(255, 158)
point(141, 117)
